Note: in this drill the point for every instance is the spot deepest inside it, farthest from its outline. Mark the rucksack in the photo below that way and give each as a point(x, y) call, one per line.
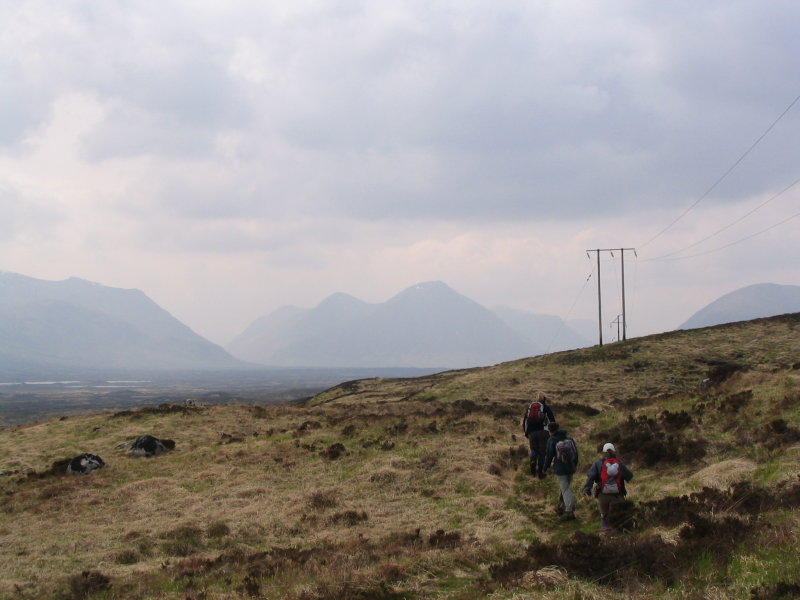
point(610, 477)
point(566, 452)
point(537, 413)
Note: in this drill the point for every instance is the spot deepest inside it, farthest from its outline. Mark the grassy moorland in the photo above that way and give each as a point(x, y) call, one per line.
point(419, 488)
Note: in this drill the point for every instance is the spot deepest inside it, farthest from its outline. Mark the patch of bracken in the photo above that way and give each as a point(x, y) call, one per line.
point(719, 371)
point(503, 412)
point(735, 402)
point(645, 440)
point(465, 406)
point(742, 498)
point(334, 451)
point(779, 433)
point(722, 535)
point(610, 561)
point(86, 584)
point(161, 409)
point(673, 421)
point(580, 408)
point(778, 591)
point(442, 539)
point(349, 518)
point(398, 428)
point(309, 426)
point(352, 590)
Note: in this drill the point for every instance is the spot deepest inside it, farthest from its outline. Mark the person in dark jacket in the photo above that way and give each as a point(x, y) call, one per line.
point(562, 453)
point(609, 485)
point(537, 434)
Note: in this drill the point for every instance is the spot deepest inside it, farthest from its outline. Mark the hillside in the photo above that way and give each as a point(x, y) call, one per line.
point(56, 326)
point(751, 302)
point(419, 488)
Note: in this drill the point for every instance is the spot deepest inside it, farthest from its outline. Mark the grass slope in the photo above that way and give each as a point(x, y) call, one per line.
point(419, 488)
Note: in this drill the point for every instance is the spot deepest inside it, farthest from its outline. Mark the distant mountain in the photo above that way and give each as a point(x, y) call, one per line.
point(751, 302)
point(426, 325)
point(76, 324)
point(547, 332)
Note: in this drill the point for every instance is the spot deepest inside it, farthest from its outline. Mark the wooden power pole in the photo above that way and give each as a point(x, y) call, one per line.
point(599, 294)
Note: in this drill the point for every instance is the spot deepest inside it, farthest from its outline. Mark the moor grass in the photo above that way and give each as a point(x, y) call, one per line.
point(419, 488)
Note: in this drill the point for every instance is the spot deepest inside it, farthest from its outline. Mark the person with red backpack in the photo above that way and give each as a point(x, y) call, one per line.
point(608, 475)
point(534, 424)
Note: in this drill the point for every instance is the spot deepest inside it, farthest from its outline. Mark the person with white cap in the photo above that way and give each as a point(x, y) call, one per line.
point(609, 474)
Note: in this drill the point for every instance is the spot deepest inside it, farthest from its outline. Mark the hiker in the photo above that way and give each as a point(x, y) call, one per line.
point(609, 474)
point(562, 453)
point(534, 424)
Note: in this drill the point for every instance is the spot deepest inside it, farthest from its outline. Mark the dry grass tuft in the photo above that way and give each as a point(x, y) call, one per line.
point(726, 472)
point(546, 578)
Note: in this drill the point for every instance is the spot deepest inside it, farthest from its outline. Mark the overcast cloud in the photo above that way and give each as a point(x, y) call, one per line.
point(231, 158)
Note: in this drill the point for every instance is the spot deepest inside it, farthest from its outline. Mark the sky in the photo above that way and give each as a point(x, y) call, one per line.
point(230, 158)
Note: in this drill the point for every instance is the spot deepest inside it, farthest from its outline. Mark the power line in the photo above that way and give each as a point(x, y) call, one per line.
point(569, 312)
point(724, 175)
point(744, 239)
point(729, 225)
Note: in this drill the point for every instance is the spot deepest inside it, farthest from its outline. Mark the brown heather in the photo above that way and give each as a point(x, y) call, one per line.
point(419, 488)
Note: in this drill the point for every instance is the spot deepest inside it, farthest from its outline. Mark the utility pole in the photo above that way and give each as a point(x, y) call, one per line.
point(616, 322)
point(599, 295)
point(624, 319)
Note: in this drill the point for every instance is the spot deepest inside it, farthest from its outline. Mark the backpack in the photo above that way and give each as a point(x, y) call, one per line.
point(537, 413)
point(566, 452)
point(610, 477)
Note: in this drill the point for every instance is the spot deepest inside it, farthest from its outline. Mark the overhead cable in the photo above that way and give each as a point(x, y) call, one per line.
point(569, 313)
point(739, 241)
point(729, 225)
point(724, 175)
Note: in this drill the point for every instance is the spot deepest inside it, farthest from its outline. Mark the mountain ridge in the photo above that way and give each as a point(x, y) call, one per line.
point(425, 325)
point(80, 324)
point(750, 302)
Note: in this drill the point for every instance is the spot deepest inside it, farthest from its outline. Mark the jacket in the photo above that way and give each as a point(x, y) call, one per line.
point(559, 468)
point(593, 476)
point(530, 426)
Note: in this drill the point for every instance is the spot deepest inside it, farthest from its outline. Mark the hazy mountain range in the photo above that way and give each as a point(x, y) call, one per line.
point(47, 325)
point(744, 304)
point(76, 324)
point(426, 325)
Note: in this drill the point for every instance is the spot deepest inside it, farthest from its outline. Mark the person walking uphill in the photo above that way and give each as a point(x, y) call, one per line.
point(534, 424)
point(562, 453)
point(610, 475)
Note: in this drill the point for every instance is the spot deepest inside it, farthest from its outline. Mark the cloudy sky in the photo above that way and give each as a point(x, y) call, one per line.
point(229, 158)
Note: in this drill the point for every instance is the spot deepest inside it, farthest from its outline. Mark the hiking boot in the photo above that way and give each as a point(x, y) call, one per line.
point(568, 516)
point(534, 470)
point(559, 510)
point(540, 473)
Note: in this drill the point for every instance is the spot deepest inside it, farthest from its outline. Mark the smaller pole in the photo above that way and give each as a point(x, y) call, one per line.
point(624, 318)
point(599, 300)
